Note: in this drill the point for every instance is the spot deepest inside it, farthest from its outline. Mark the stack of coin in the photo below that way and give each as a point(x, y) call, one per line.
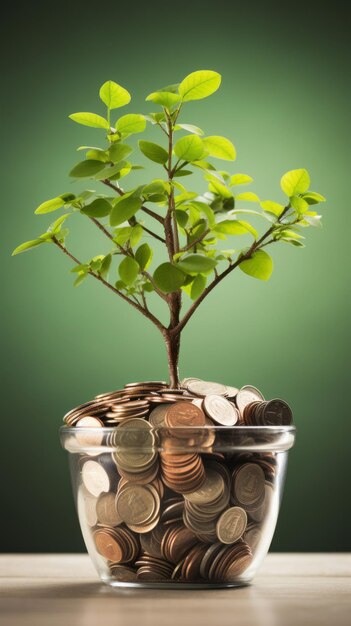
point(270, 413)
point(153, 569)
point(116, 544)
point(248, 486)
point(176, 542)
point(183, 473)
point(203, 506)
point(164, 492)
point(138, 506)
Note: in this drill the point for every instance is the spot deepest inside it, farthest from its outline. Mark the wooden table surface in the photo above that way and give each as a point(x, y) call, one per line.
point(290, 589)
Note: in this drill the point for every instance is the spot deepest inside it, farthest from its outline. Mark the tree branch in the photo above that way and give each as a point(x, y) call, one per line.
point(102, 228)
point(127, 253)
point(196, 241)
point(137, 306)
point(220, 277)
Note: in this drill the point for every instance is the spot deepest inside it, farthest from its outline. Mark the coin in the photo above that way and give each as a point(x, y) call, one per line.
point(86, 505)
point(106, 510)
point(212, 486)
point(277, 413)
point(231, 391)
point(89, 439)
point(248, 485)
point(123, 573)
point(108, 546)
point(246, 395)
point(220, 410)
point(157, 415)
point(171, 496)
point(136, 504)
point(95, 478)
point(184, 414)
point(204, 388)
point(231, 525)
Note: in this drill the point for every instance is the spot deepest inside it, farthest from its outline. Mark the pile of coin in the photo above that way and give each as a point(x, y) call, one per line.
point(163, 500)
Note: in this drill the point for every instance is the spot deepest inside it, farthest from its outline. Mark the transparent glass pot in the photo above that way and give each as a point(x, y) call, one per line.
point(178, 507)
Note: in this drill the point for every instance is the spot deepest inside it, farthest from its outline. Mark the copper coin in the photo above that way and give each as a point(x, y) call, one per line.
point(184, 414)
point(108, 546)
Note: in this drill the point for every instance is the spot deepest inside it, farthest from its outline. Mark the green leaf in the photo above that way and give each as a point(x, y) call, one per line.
point(184, 197)
point(272, 207)
point(157, 186)
point(105, 265)
point(248, 196)
point(220, 147)
point(113, 95)
point(295, 182)
point(55, 227)
point(118, 152)
point(312, 197)
point(98, 208)
point(110, 171)
point(240, 179)
point(81, 276)
point(182, 218)
point(143, 256)
point(122, 235)
point(27, 246)
point(196, 263)
point(205, 209)
point(153, 151)
point(97, 155)
point(90, 119)
point(190, 128)
point(235, 227)
point(289, 234)
point(260, 265)
point(128, 270)
point(198, 85)
point(86, 169)
point(164, 98)
point(168, 277)
point(197, 286)
point(50, 205)
point(217, 187)
point(189, 148)
point(179, 173)
point(124, 208)
point(132, 123)
point(299, 204)
point(136, 234)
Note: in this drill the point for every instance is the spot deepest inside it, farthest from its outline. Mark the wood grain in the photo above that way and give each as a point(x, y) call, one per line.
point(63, 590)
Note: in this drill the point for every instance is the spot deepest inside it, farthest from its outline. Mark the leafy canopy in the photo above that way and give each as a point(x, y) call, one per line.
point(200, 235)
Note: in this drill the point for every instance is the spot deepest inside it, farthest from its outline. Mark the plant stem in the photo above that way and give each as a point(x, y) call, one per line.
point(172, 341)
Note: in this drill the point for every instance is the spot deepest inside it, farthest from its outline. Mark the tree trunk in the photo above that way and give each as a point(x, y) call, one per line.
point(172, 342)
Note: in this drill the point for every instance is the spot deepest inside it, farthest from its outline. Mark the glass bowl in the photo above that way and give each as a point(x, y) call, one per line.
point(177, 507)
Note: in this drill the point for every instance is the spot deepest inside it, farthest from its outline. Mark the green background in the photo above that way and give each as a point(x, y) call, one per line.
point(284, 103)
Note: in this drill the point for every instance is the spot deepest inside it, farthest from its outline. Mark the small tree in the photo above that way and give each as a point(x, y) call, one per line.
point(189, 226)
